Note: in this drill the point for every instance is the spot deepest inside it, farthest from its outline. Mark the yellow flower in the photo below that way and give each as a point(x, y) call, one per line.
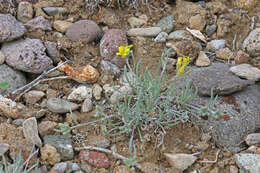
point(182, 62)
point(124, 50)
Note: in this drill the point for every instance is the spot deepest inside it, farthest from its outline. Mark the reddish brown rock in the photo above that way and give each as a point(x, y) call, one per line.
point(98, 160)
point(109, 44)
point(242, 57)
point(84, 30)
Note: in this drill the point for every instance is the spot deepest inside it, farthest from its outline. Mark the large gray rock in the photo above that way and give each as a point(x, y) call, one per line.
point(27, 55)
point(62, 143)
point(218, 78)
point(10, 28)
point(84, 30)
point(241, 110)
point(14, 78)
point(248, 162)
point(252, 43)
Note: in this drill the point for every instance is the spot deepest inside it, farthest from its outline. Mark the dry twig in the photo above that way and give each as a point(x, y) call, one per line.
point(35, 82)
point(211, 161)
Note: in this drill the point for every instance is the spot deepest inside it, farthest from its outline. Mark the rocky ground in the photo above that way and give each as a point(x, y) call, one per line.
point(59, 60)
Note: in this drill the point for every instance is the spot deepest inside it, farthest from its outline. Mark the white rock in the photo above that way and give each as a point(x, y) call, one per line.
point(202, 60)
point(97, 91)
point(246, 71)
point(145, 32)
point(80, 94)
point(180, 161)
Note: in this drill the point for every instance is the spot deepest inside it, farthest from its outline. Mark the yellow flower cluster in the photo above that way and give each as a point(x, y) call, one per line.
point(182, 63)
point(124, 50)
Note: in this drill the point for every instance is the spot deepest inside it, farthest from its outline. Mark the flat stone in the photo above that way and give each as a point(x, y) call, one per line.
point(246, 71)
point(251, 44)
point(27, 55)
point(180, 35)
point(166, 23)
point(202, 60)
point(30, 131)
point(218, 78)
point(33, 96)
point(10, 28)
point(84, 30)
point(53, 11)
point(144, 32)
point(62, 143)
point(60, 106)
point(25, 12)
point(248, 162)
point(180, 161)
point(14, 78)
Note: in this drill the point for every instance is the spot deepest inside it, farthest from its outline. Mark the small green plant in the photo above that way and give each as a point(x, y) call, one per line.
point(154, 105)
point(3, 86)
point(19, 165)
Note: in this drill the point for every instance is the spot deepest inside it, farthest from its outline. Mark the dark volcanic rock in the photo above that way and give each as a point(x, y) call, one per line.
point(241, 110)
point(10, 28)
point(27, 55)
point(218, 78)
